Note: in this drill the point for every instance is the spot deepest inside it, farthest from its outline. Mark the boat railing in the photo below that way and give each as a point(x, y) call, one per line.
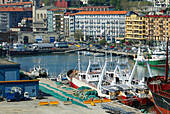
point(164, 93)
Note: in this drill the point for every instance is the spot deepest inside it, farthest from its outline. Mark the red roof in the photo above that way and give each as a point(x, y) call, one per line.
point(67, 13)
point(17, 3)
point(54, 9)
point(157, 16)
point(99, 12)
point(15, 9)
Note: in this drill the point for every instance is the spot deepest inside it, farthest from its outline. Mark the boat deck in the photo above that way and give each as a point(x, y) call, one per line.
point(85, 81)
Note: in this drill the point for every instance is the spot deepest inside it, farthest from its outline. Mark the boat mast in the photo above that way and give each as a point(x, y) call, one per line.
point(78, 61)
point(166, 66)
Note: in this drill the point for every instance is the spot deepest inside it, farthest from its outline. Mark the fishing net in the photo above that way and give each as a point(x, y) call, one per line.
point(60, 97)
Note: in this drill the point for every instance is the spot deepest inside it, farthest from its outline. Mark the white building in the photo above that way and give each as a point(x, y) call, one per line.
point(161, 3)
point(98, 24)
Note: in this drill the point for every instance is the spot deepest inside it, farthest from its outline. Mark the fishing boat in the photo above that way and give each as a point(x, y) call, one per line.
point(160, 89)
point(20, 49)
point(88, 78)
point(155, 58)
point(39, 72)
point(128, 90)
point(117, 88)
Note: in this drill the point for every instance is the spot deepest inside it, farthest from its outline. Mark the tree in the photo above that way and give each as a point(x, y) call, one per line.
point(103, 42)
point(97, 2)
point(78, 35)
point(113, 2)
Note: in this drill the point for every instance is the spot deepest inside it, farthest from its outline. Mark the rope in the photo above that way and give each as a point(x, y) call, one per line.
point(165, 101)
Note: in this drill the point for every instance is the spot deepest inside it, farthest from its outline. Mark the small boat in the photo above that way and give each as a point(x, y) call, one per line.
point(99, 54)
point(86, 53)
point(39, 72)
point(62, 77)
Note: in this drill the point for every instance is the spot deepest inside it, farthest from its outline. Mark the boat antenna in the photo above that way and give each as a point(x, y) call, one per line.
point(111, 55)
point(166, 66)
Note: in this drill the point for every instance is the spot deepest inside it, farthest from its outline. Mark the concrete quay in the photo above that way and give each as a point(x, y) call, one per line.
point(113, 106)
point(113, 52)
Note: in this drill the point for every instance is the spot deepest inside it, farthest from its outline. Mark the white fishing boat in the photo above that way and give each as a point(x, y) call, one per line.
point(39, 72)
point(124, 86)
point(88, 78)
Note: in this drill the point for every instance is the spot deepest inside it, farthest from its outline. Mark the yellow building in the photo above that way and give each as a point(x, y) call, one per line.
point(135, 27)
point(157, 27)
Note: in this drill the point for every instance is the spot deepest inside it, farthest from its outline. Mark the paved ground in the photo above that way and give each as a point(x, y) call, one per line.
point(32, 107)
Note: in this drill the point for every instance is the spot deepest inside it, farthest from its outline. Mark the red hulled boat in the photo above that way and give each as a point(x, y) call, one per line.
point(160, 89)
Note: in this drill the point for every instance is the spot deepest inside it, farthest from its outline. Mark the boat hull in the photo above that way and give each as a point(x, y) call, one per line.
point(154, 63)
point(143, 101)
point(161, 103)
point(75, 83)
point(125, 100)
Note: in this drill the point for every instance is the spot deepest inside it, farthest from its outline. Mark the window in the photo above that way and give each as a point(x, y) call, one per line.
point(41, 16)
point(37, 16)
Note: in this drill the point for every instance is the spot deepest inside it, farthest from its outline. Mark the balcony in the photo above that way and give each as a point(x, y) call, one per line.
point(136, 28)
point(129, 33)
point(129, 28)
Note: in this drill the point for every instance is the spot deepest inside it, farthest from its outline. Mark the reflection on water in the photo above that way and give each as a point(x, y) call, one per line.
point(58, 63)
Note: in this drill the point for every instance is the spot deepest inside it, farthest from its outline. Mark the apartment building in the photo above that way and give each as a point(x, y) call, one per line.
point(98, 24)
point(157, 27)
point(135, 27)
point(40, 23)
point(161, 3)
point(10, 17)
point(56, 20)
point(66, 23)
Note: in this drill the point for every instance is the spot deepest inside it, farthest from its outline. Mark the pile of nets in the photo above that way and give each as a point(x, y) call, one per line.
point(86, 93)
point(60, 97)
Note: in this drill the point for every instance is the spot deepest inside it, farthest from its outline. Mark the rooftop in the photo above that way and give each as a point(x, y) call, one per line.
point(158, 16)
point(14, 9)
point(48, 8)
point(98, 7)
point(17, 3)
point(99, 12)
point(6, 62)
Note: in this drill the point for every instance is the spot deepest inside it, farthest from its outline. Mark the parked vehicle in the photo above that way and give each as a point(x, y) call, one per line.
point(42, 45)
point(16, 93)
point(61, 44)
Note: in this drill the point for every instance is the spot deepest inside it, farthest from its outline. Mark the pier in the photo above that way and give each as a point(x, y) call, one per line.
point(113, 52)
point(66, 50)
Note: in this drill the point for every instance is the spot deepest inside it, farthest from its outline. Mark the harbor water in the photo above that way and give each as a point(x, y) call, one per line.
point(63, 62)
